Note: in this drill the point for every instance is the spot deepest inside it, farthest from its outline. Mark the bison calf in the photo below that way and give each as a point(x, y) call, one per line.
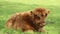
point(32, 20)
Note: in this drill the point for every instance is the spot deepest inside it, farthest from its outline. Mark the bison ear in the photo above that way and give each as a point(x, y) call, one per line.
point(31, 12)
point(48, 11)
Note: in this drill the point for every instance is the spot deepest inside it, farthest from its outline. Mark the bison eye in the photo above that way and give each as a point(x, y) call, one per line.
point(46, 14)
point(37, 17)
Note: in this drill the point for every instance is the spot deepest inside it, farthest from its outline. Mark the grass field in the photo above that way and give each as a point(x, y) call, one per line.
point(9, 7)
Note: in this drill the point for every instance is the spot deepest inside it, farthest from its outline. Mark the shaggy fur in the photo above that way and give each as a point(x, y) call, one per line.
point(33, 20)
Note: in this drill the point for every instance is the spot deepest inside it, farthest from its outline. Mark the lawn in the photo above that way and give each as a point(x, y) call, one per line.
point(9, 7)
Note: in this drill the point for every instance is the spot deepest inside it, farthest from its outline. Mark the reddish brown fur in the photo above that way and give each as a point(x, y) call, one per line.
point(33, 20)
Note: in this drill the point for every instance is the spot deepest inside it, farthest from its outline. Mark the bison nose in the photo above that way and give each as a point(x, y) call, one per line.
point(41, 24)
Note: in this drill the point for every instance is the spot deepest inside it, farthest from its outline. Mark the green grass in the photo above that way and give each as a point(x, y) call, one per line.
point(7, 8)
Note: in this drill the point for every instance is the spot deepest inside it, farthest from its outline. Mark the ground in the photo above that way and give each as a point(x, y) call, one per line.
point(9, 7)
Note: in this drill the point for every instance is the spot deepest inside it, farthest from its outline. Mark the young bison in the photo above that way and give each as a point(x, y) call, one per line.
point(33, 20)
